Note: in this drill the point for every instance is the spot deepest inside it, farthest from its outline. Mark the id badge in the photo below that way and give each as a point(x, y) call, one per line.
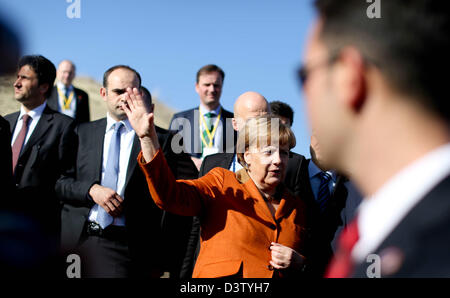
point(210, 150)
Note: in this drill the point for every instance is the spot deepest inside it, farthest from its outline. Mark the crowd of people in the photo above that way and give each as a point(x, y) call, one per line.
point(220, 193)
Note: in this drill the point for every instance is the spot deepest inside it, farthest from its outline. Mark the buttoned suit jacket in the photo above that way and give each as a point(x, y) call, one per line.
point(191, 135)
point(42, 160)
point(82, 113)
point(146, 242)
point(419, 245)
point(224, 160)
point(327, 225)
point(236, 224)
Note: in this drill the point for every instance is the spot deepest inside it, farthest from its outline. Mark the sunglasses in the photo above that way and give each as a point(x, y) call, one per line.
point(304, 71)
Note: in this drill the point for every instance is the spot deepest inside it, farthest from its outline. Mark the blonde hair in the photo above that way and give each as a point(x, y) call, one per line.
point(262, 131)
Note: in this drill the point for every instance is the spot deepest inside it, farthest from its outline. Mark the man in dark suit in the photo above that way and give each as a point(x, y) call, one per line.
point(41, 148)
point(248, 105)
point(332, 203)
point(380, 112)
point(66, 98)
point(116, 228)
point(205, 129)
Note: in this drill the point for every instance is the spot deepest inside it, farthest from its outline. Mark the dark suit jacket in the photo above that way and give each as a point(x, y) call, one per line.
point(6, 182)
point(143, 218)
point(420, 240)
point(224, 160)
point(326, 226)
point(192, 139)
point(42, 160)
point(82, 104)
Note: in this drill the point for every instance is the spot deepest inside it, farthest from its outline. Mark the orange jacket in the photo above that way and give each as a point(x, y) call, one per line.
point(236, 224)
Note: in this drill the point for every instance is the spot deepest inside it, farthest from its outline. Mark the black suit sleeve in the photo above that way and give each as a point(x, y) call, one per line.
point(83, 114)
point(68, 188)
point(6, 181)
point(176, 228)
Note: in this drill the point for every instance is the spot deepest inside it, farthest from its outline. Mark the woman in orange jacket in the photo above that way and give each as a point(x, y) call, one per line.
point(251, 226)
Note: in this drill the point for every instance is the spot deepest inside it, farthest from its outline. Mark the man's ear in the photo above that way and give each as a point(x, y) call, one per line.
point(44, 88)
point(103, 93)
point(248, 158)
point(350, 78)
point(197, 89)
point(235, 124)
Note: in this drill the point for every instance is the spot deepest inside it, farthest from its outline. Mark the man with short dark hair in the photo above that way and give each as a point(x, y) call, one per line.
point(380, 111)
point(205, 128)
point(108, 215)
point(67, 99)
point(283, 111)
point(42, 142)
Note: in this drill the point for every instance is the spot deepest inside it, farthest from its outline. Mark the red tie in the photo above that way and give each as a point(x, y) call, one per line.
point(18, 143)
point(341, 265)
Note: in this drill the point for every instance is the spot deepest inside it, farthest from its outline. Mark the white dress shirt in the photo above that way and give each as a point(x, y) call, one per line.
point(72, 107)
point(235, 165)
point(379, 214)
point(217, 139)
point(126, 143)
point(35, 114)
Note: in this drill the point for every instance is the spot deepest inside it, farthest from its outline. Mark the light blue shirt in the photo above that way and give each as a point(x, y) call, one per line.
point(235, 165)
point(315, 180)
point(126, 143)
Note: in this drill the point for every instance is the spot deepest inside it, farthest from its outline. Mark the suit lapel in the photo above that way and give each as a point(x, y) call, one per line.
point(133, 159)
point(97, 141)
point(253, 192)
point(12, 119)
point(286, 204)
point(43, 125)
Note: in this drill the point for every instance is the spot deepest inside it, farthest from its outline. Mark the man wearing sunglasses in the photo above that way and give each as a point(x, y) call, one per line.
point(380, 110)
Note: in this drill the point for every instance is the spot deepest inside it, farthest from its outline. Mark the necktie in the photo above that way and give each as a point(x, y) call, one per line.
point(111, 173)
point(18, 143)
point(208, 125)
point(341, 265)
point(323, 194)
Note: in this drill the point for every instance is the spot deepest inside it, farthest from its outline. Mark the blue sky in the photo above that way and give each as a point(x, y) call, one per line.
point(258, 43)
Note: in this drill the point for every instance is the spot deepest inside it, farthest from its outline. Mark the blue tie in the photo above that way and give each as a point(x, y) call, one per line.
point(111, 173)
point(324, 191)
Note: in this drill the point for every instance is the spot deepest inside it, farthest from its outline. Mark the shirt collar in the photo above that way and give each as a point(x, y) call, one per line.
point(61, 86)
point(314, 170)
point(110, 122)
point(203, 110)
point(380, 213)
point(35, 113)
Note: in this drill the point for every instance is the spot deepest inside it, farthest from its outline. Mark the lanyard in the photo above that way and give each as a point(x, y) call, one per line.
point(66, 101)
point(209, 133)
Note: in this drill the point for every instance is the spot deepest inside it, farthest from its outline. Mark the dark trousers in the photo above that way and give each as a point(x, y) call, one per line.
point(104, 257)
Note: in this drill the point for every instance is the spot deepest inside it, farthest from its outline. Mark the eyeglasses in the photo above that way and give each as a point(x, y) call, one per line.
point(304, 70)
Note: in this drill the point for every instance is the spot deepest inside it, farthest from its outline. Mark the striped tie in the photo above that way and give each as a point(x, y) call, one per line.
point(210, 127)
point(324, 191)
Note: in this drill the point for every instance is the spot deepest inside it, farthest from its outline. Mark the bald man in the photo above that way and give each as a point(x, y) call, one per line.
point(67, 99)
point(248, 105)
